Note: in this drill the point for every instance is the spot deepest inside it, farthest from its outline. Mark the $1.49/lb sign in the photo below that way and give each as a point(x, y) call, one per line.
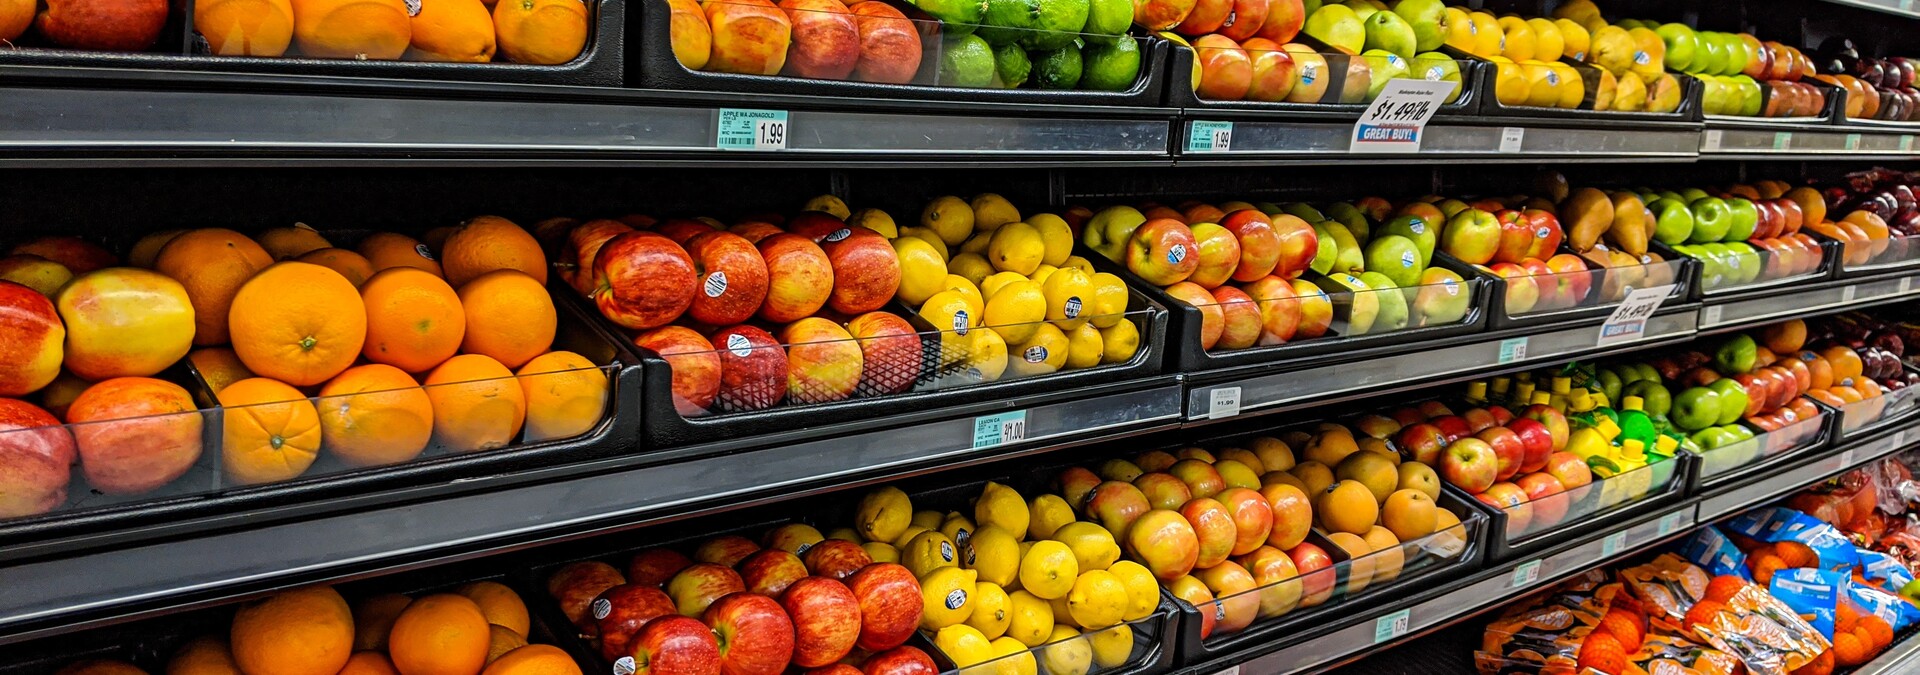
point(1397, 120)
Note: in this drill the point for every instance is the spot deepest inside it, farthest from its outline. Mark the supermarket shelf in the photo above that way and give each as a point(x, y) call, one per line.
point(40, 596)
point(1903, 8)
point(1902, 657)
point(1804, 142)
point(1824, 299)
point(1784, 482)
point(1268, 140)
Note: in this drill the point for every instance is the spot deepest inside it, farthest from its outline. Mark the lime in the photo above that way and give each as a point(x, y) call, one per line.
point(1107, 18)
point(966, 62)
point(1011, 64)
point(1007, 21)
point(1060, 21)
point(959, 16)
point(1111, 67)
point(1057, 68)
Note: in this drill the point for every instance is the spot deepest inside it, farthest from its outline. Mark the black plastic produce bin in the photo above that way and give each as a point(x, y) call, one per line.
point(1868, 416)
point(1768, 450)
point(1703, 286)
point(1602, 504)
point(1602, 290)
point(1181, 93)
point(1688, 113)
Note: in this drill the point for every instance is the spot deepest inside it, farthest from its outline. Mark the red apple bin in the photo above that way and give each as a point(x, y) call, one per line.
point(1185, 354)
point(184, 56)
point(1737, 463)
point(1589, 294)
point(1831, 112)
point(1608, 503)
point(654, 66)
point(1181, 92)
point(1709, 281)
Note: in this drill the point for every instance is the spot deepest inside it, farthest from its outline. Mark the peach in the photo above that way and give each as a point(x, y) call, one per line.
point(749, 36)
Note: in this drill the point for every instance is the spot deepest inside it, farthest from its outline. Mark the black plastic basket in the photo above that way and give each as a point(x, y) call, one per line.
point(1688, 113)
point(1591, 306)
point(1833, 111)
point(1709, 477)
point(1181, 93)
point(1664, 492)
point(1697, 291)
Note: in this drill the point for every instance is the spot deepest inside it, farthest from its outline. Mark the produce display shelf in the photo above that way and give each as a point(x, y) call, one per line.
point(1803, 141)
point(1815, 299)
point(1902, 657)
point(499, 514)
point(1266, 139)
point(1909, 9)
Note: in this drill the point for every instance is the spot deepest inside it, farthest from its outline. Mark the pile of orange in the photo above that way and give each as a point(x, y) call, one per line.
point(477, 629)
point(540, 32)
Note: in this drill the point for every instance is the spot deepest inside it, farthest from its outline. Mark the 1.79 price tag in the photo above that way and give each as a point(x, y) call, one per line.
point(1397, 120)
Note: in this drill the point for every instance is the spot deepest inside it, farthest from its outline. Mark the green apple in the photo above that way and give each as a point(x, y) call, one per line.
point(1387, 32)
point(1396, 257)
point(1749, 95)
point(1108, 231)
point(1695, 408)
point(1339, 27)
point(1911, 591)
point(1428, 18)
point(1329, 251)
point(1350, 216)
point(1361, 8)
point(1749, 259)
point(1308, 7)
point(1654, 398)
point(1353, 300)
point(1438, 67)
point(1733, 400)
point(1681, 43)
point(1610, 384)
point(1414, 229)
point(1689, 194)
point(1471, 235)
point(1711, 220)
point(1738, 54)
point(1270, 208)
point(1711, 56)
point(1714, 437)
point(1386, 66)
point(1303, 211)
point(1739, 432)
point(1735, 356)
point(1715, 96)
point(1672, 222)
point(1743, 217)
point(1393, 312)
point(1669, 194)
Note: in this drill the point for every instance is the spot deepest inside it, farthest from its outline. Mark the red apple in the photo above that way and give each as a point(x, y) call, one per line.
point(32, 340)
point(700, 584)
point(1571, 277)
point(825, 43)
point(1162, 490)
point(824, 363)
point(1276, 577)
point(826, 620)
point(582, 246)
point(642, 280)
point(1453, 426)
point(1408, 416)
point(1076, 484)
point(1218, 253)
point(1479, 419)
point(1298, 243)
point(1550, 287)
point(682, 230)
point(675, 645)
point(1507, 447)
point(620, 612)
point(891, 352)
point(755, 231)
point(696, 367)
point(78, 255)
point(1470, 464)
point(889, 605)
point(799, 278)
point(1226, 72)
point(1547, 496)
point(575, 586)
point(1555, 421)
point(1316, 572)
point(732, 275)
point(1246, 19)
point(1200, 598)
point(1537, 442)
point(753, 369)
point(889, 44)
point(836, 558)
point(103, 25)
point(1235, 589)
point(1547, 234)
point(36, 460)
point(1213, 322)
point(1516, 236)
point(1252, 518)
point(1213, 528)
point(1241, 322)
point(1161, 251)
point(754, 634)
point(655, 566)
point(1422, 441)
point(1275, 73)
point(770, 571)
point(135, 434)
point(866, 272)
point(1116, 505)
point(901, 660)
point(726, 550)
point(1434, 409)
point(1206, 17)
point(1513, 501)
point(1569, 469)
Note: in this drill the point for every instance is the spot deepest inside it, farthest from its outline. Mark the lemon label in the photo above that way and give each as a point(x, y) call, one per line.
point(1641, 58)
point(956, 598)
point(624, 666)
point(1473, 28)
point(739, 345)
point(715, 285)
point(1035, 354)
point(962, 537)
point(1407, 259)
point(423, 251)
point(1503, 43)
point(1553, 77)
point(1073, 307)
point(601, 608)
point(946, 551)
point(1177, 254)
point(840, 234)
point(960, 322)
point(1579, 56)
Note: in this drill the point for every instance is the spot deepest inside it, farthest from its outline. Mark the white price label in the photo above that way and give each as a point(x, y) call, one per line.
point(1629, 321)
point(1711, 141)
point(1847, 293)
point(1223, 402)
point(1846, 458)
point(1669, 523)
point(1711, 315)
point(1906, 284)
point(1511, 138)
point(1513, 349)
point(1526, 574)
point(1397, 120)
point(1001, 429)
point(1614, 543)
point(1391, 626)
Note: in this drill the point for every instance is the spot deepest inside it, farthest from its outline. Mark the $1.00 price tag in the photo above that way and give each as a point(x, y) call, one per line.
point(1391, 626)
point(995, 430)
point(754, 130)
point(1398, 118)
point(1203, 136)
point(1629, 321)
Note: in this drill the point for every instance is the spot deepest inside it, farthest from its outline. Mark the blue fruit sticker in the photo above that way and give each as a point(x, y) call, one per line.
point(956, 598)
point(960, 322)
point(1177, 254)
point(1035, 354)
point(1073, 307)
point(1407, 259)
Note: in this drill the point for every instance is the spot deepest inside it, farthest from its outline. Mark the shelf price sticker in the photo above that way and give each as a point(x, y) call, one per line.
point(996, 430)
point(1669, 523)
point(1511, 138)
point(1223, 402)
point(1846, 458)
point(1204, 136)
point(1711, 315)
point(751, 130)
point(1782, 140)
point(1614, 543)
point(1906, 284)
point(1853, 142)
point(1229, 670)
point(1629, 321)
point(1906, 143)
point(1391, 626)
point(1397, 120)
point(1711, 141)
point(1525, 574)
point(1847, 293)
point(1513, 349)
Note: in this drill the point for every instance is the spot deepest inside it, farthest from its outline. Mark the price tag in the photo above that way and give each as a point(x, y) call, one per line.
point(1782, 140)
point(1846, 458)
point(1847, 293)
point(1390, 626)
point(1223, 402)
point(1511, 138)
point(1205, 136)
point(1906, 284)
point(1614, 543)
point(1853, 141)
point(1711, 315)
point(1397, 120)
point(1711, 142)
point(753, 130)
point(1900, 439)
point(1513, 349)
point(1525, 574)
point(1669, 523)
point(1906, 143)
point(1629, 321)
point(1230, 670)
point(995, 430)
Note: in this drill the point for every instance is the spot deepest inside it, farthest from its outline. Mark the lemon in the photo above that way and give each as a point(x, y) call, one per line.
point(986, 355)
point(950, 216)
point(948, 311)
point(1078, 263)
point(876, 220)
point(959, 528)
point(1085, 347)
point(1062, 615)
point(977, 244)
point(1049, 570)
point(1002, 507)
point(995, 554)
point(1143, 592)
point(928, 518)
point(1012, 657)
point(1069, 296)
point(1092, 545)
point(1107, 303)
point(971, 293)
point(1016, 310)
point(1030, 618)
point(1119, 342)
point(946, 597)
point(1050, 512)
point(1543, 84)
point(922, 271)
point(1572, 88)
point(972, 267)
point(927, 552)
point(1547, 43)
point(1040, 274)
point(1112, 647)
point(907, 536)
point(1056, 235)
point(927, 235)
point(991, 611)
point(827, 204)
point(881, 552)
point(845, 533)
point(1016, 247)
point(964, 644)
point(883, 514)
point(990, 211)
point(1510, 84)
point(1046, 352)
point(998, 281)
point(1066, 653)
point(1097, 600)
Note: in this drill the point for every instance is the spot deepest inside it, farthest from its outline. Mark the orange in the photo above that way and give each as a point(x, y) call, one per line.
point(148, 247)
point(351, 29)
point(566, 395)
point(100, 667)
point(1724, 586)
point(212, 264)
point(442, 634)
point(306, 631)
point(510, 317)
point(1822, 664)
point(1845, 362)
point(499, 604)
point(501, 640)
point(1876, 628)
point(386, 249)
point(452, 30)
point(477, 405)
point(534, 660)
point(219, 366)
point(374, 414)
point(373, 619)
point(414, 319)
point(15, 17)
point(204, 656)
point(269, 431)
point(540, 32)
point(436, 238)
point(491, 243)
point(369, 663)
point(293, 241)
point(245, 27)
point(297, 322)
point(1849, 650)
point(353, 266)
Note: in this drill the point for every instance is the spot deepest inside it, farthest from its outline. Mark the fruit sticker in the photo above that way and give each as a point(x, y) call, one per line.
point(1641, 58)
point(1553, 78)
point(413, 7)
point(1407, 259)
point(423, 251)
point(1177, 254)
point(1035, 354)
point(624, 666)
point(1453, 287)
point(601, 608)
point(1542, 232)
point(1309, 73)
point(739, 345)
point(1436, 73)
point(1072, 309)
point(956, 598)
point(1418, 226)
point(946, 551)
point(715, 285)
point(960, 322)
point(840, 234)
